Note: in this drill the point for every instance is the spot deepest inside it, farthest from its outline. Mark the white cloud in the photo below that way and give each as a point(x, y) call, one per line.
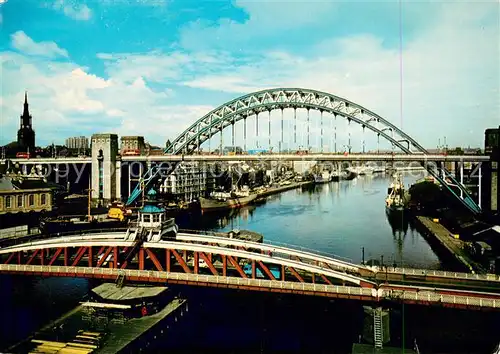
point(153, 66)
point(65, 99)
point(450, 75)
point(73, 9)
point(3, 2)
point(450, 85)
point(25, 44)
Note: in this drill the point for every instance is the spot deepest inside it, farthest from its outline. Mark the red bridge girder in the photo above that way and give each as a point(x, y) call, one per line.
point(169, 260)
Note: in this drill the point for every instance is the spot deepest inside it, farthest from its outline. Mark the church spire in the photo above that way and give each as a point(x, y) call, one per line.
point(26, 111)
point(26, 134)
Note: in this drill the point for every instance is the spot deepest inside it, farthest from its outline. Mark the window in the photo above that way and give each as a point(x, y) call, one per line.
point(31, 200)
point(156, 217)
point(146, 218)
point(43, 199)
point(19, 201)
point(8, 201)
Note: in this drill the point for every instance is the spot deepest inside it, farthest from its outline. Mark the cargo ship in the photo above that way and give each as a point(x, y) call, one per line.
point(224, 200)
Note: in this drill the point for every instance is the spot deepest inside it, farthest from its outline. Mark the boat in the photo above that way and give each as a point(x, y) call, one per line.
point(396, 199)
point(348, 175)
point(50, 226)
point(335, 177)
point(367, 171)
point(324, 177)
point(118, 216)
point(224, 200)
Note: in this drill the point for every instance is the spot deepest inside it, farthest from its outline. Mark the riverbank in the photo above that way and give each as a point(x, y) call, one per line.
point(447, 245)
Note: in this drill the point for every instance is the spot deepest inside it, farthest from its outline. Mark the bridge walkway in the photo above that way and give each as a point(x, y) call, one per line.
point(386, 293)
point(398, 275)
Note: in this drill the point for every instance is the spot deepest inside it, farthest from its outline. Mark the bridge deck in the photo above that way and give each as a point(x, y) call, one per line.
point(474, 300)
point(267, 157)
point(298, 269)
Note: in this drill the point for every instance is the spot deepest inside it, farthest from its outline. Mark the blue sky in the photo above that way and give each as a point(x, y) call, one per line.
point(139, 67)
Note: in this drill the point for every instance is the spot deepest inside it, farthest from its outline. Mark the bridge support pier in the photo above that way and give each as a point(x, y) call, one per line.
point(376, 326)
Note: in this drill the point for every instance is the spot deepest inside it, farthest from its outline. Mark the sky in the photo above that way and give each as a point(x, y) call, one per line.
point(153, 67)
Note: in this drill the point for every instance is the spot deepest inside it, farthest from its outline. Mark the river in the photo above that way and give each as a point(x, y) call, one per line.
point(336, 219)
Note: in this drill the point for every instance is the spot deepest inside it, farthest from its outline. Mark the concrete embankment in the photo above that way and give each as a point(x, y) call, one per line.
point(446, 245)
point(280, 189)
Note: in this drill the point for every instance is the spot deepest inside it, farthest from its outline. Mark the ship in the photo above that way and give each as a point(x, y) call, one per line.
point(224, 200)
point(324, 177)
point(396, 198)
point(63, 224)
point(335, 177)
point(347, 175)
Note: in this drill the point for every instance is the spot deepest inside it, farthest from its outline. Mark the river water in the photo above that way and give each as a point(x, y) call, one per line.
point(337, 219)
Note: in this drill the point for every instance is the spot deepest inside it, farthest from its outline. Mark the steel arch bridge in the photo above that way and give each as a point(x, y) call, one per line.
point(251, 104)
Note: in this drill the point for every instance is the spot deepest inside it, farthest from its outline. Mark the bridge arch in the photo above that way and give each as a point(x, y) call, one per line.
point(254, 103)
point(281, 98)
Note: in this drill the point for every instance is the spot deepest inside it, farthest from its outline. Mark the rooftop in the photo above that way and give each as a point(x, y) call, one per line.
point(104, 135)
point(109, 291)
point(8, 183)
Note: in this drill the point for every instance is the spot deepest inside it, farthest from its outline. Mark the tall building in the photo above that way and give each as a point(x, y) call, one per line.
point(132, 145)
point(77, 142)
point(26, 134)
point(189, 181)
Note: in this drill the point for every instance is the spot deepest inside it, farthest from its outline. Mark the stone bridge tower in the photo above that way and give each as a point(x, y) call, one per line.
point(106, 162)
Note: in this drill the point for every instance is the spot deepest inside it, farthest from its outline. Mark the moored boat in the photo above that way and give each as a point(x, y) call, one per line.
point(219, 201)
point(335, 177)
point(67, 225)
point(347, 175)
point(396, 198)
point(324, 177)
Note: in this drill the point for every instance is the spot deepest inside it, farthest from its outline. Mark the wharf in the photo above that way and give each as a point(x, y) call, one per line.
point(276, 190)
point(370, 349)
point(120, 336)
point(452, 246)
point(81, 331)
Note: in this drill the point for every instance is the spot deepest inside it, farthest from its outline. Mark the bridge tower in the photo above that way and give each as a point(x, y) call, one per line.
point(106, 167)
point(491, 172)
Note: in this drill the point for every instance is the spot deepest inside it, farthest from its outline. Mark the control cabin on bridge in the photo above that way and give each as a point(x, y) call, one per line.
point(152, 223)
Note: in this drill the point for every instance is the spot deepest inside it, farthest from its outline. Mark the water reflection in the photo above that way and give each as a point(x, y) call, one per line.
point(399, 224)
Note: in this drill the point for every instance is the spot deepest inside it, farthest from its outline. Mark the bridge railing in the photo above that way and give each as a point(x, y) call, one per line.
point(205, 232)
point(444, 274)
point(18, 240)
point(198, 278)
point(272, 243)
point(310, 250)
point(155, 276)
point(441, 298)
